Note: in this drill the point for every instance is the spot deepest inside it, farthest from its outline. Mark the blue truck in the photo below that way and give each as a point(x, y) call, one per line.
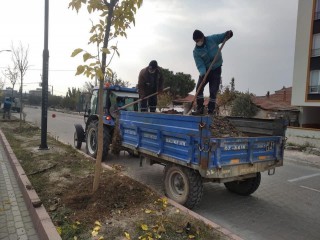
point(190, 154)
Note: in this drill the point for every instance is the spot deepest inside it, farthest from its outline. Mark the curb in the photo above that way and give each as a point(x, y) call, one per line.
point(40, 218)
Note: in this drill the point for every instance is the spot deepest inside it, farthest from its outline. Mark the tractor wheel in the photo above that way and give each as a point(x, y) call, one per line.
point(76, 142)
point(183, 185)
point(92, 140)
point(244, 187)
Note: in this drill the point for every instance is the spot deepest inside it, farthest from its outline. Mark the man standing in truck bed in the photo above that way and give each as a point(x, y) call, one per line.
point(203, 53)
point(150, 81)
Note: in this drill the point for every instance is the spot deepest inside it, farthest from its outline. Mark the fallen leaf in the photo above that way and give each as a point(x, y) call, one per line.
point(97, 223)
point(59, 230)
point(127, 235)
point(144, 227)
point(148, 211)
point(96, 228)
point(94, 233)
point(191, 236)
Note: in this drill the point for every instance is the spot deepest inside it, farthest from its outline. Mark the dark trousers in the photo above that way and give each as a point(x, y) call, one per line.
point(213, 79)
point(150, 103)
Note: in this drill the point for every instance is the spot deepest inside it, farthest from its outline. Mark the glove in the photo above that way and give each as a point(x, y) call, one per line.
point(229, 34)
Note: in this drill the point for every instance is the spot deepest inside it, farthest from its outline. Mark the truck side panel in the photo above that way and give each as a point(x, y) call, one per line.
point(174, 136)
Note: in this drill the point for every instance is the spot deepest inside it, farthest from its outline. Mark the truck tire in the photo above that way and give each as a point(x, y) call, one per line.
point(183, 185)
point(92, 140)
point(76, 141)
point(244, 187)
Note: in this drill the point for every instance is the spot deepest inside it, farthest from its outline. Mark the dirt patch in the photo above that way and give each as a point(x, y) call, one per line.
point(121, 208)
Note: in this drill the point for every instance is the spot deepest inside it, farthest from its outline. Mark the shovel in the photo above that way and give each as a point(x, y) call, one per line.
point(141, 99)
point(205, 76)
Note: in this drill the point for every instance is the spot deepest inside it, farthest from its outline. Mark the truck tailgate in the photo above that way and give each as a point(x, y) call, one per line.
point(230, 157)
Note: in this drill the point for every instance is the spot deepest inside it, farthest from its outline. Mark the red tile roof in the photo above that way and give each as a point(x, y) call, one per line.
point(279, 101)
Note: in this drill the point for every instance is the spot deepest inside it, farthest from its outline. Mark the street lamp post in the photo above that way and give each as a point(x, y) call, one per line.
point(45, 67)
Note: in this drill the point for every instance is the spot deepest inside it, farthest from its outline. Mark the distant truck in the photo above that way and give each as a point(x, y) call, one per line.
point(187, 149)
point(16, 105)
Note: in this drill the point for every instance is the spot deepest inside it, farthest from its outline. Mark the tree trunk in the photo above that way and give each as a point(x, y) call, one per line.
point(98, 167)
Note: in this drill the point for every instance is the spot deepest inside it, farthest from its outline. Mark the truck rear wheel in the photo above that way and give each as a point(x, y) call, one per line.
point(92, 140)
point(183, 185)
point(244, 187)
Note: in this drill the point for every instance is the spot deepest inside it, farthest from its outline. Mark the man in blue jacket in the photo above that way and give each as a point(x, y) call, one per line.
point(7, 107)
point(203, 53)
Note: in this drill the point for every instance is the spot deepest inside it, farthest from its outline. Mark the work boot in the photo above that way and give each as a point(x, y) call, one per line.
point(199, 111)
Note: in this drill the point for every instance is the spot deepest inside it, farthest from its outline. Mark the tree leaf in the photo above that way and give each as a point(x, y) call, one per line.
point(105, 50)
point(80, 69)
point(86, 56)
point(76, 52)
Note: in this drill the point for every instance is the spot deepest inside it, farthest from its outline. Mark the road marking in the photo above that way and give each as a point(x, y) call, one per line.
point(304, 177)
point(312, 189)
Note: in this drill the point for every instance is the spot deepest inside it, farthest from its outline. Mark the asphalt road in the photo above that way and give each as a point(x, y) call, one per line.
point(286, 206)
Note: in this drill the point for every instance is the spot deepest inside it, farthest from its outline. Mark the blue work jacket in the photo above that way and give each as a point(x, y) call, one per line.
point(204, 55)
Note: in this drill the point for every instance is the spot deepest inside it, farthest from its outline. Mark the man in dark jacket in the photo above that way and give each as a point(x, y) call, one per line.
point(7, 107)
point(203, 53)
point(150, 81)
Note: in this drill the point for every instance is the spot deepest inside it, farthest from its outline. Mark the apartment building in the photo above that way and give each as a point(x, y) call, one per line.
point(306, 75)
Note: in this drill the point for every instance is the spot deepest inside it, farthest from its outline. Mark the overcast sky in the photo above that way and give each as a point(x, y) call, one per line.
point(259, 56)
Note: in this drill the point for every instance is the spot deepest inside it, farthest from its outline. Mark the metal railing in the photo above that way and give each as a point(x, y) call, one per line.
point(317, 15)
point(315, 52)
point(314, 89)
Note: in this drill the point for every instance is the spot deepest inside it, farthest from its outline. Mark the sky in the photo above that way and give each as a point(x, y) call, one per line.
point(259, 57)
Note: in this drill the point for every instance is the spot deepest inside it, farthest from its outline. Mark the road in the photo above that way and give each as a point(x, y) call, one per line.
point(286, 206)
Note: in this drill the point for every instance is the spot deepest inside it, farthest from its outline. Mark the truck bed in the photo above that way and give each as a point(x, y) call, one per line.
point(187, 140)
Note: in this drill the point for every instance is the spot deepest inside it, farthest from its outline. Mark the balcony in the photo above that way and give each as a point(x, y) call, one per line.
point(314, 89)
point(315, 52)
point(316, 15)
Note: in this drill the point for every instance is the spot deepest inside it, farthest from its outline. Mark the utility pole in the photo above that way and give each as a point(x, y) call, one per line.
point(45, 69)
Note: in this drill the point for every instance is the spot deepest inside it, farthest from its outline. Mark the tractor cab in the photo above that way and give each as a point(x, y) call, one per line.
point(115, 99)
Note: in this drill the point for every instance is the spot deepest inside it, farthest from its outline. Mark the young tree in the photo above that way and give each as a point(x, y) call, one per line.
point(12, 74)
point(20, 60)
point(243, 106)
point(115, 18)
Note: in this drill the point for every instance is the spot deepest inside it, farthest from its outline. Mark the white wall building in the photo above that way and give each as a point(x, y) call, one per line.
point(306, 75)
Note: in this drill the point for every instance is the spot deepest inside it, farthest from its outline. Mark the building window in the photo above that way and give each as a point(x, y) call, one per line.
point(317, 13)
point(316, 45)
point(315, 82)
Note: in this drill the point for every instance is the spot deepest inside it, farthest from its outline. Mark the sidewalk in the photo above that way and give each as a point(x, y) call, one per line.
point(22, 216)
point(15, 219)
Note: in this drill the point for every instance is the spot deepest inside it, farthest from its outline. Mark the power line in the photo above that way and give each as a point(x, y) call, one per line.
point(53, 70)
